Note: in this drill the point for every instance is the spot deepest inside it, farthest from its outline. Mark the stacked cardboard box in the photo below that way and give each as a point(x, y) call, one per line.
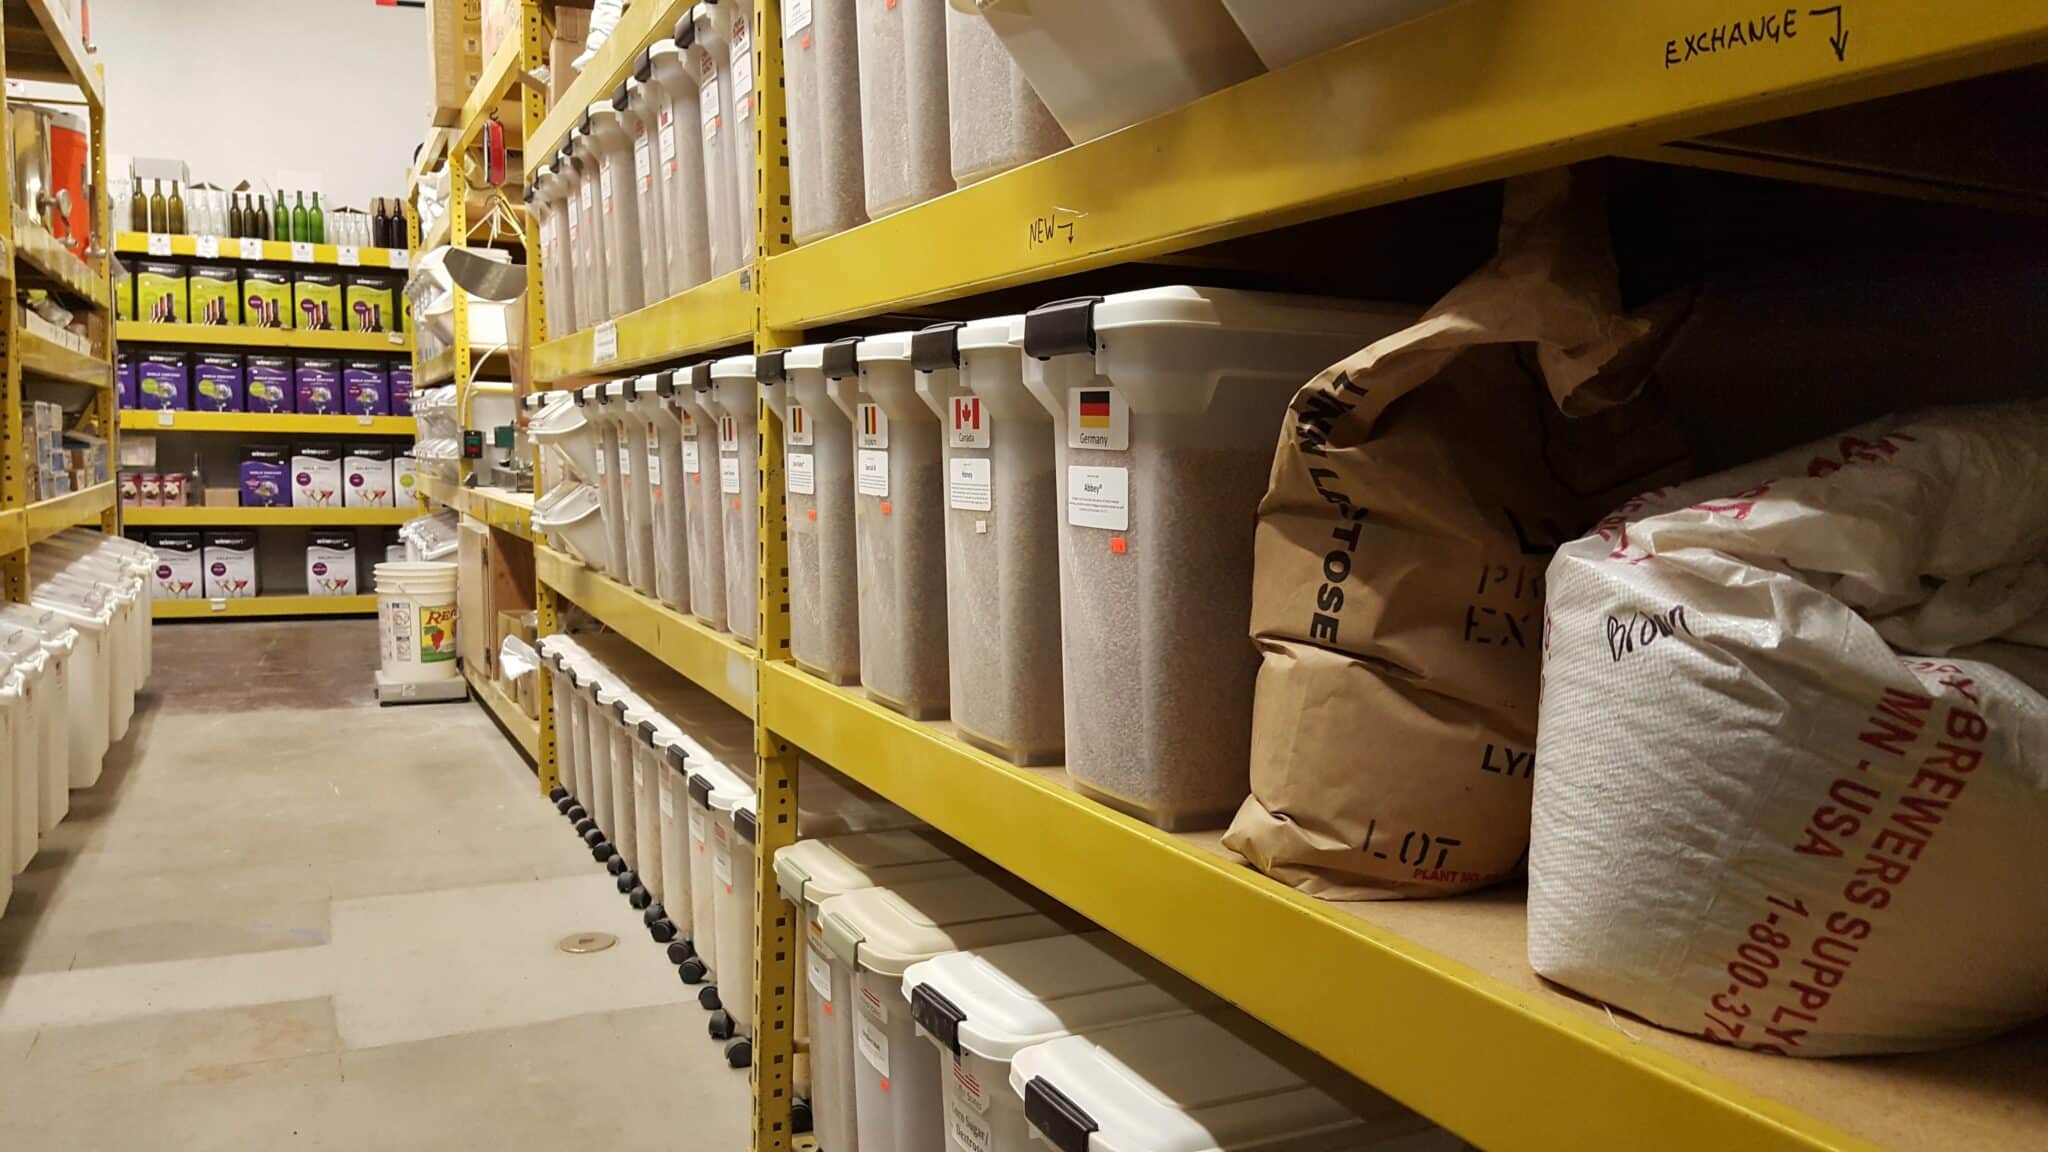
point(455, 54)
point(572, 28)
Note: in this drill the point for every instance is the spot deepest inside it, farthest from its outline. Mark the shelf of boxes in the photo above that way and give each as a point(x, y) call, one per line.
point(252, 250)
point(263, 606)
point(202, 517)
point(285, 423)
point(239, 336)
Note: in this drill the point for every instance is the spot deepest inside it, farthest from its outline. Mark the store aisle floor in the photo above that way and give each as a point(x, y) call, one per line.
point(287, 918)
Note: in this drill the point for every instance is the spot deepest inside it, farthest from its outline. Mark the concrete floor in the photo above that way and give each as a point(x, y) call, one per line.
point(287, 918)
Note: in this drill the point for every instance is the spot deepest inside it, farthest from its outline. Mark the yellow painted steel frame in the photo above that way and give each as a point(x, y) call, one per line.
point(538, 30)
point(13, 460)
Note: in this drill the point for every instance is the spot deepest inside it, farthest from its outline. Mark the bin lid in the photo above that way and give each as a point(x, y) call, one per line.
point(804, 356)
point(994, 1001)
point(814, 871)
point(889, 347)
point(615, 389)
point(1172, 1084)
point(993, 332)
point(731, 796)
point(885, 930)
point(733, 368)
point(709, 778)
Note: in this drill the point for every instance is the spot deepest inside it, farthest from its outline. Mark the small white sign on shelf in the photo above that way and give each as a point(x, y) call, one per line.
point(366, 421)
point(206, 247)
point(394, 337)
point(159, 244)
point(164, 417)
point(400, 258)
point(302, 251)
point(604, 343)
point(219, 605)
point(252, 248)
point(347, 256)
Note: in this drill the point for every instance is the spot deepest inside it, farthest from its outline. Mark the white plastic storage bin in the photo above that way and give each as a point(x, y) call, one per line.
point(821, 65)
point(574, 521)
point(981, 1008)
point(37, 709)
point(53, 751)
point(824, 605)
point(11, 719)
point(733, 395)
point(605, 693)
point(554, 655)
point(1101, 67)
point(90, 673)
point(899, 528)
point(808, 873)
point(705, 521)
point(733, 893)
point(874, 935)
point(619, 205)
point(1002, 534)
point(996, 121)
point(712, 785)
point(904, 130)
point(651, 734)
point(635, 453)
point(739, 51)
point(1187, 1084)
point(654, 404)
point(611, 486)
point(641, 114)
point(673, 926)
point(551, 198)
point(593, 304)
point(705, 34)
point(1285, 33)
point(625, 714)
point(570, 431)
point(1166, 405)
point(679, 166)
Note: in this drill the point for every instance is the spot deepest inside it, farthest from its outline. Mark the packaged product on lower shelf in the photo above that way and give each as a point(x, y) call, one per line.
point(316, 476)
point(267, 298)
point(266, 477)
point(1791, 728)
point(367, 479)
point(318, 382)
point(160, 292)
point(230, 560)
point(316, 301)
point(370, 302)
point(125, 394)
point(163, 379)
point(215, 291)
point(331, 564)
point(180, 571)
point(268, 385)
point(366, 387)
point(401, 389)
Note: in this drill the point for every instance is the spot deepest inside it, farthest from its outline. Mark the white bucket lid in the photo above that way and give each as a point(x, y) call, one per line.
point(813, 871)
point(994, 1001)
point(1173, 1084)
point(885, 930)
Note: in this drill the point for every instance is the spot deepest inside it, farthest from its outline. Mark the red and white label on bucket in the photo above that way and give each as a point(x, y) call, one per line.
point(871, 472)
point(968, 485)
point(1098, 418)
point(872, 1042)
point(800, 468)
point(643, 159)
point(796, 431)
point(870, 427)
point(968, 426)
point(707, 98)
point(742, 59)
point(667, 135)
point(819, 970)
point(1099, 498)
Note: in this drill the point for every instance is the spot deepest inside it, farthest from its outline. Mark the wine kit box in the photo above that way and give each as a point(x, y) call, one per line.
point(267, 298)
point(372, 303)
point(160, 292)
point(267, 384)
point(162, 380)
point(216, 294)
point(316, 301)
point(319, 383)
point(217, 382)
point(365, 387)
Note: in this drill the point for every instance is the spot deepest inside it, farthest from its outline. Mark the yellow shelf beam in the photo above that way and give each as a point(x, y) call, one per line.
point(254, 606)
point(47, 47)
point(507, 511)
point(524, 729)
point(274, 251)
point(262, 517)
point(716, 314)
point(283, 423)
point(713, 660)
point(46, 518)
point(34, 245)
point(50, 359)
point(642, 24)
point(1474, 92)
point(13, 531)
point(239, 336)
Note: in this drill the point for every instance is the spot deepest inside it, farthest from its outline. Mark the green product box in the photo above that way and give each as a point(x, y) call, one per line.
point(124, 292)
point(160, 292)
point(267, 298)
point(316, 301)
point(372, 303)
point(216, 294)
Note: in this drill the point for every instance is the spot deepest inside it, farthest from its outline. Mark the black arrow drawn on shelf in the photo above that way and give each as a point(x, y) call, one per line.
point(1840, 40)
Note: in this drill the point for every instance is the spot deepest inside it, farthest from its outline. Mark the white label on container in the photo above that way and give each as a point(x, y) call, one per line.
point(159, 244)
point(165, 417)
point(643, 160)
point(968, 427)
point(1099, 498)
point(803, 477)
point(639, 776)
point(206, 247)
point(796, 16)
point(587, 197)
point(721, 866)
point(707, 98)
point(968, 486)
point(302, 251)
point(820, 971)
point(668, 139)
point(604, 343)
point(625, 457)
point(348, 255)
point(873, 1044)
point(870, 427)
point(601, 456)
point(728, 474)
point(653, 457)
point(796, 430)
point(871, 477)
point(252, 248)
point(668, 807)
point(970, 1089)
point(966, 1129)
point(697, 827)
point(400, 258)
point(604, 181)
point(691, 466)
point(1098, 418)
point(742, 57)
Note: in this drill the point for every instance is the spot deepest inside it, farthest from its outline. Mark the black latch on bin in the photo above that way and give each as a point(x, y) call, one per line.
point(665, 383)
point(936, 348)
point(746, 824)
point(700, 376)
point(619, 709)
point(619, 97)
point(840, 358)
point(1061, 1121)
point(700, 790)
point(686, 32)
point(583, 126)
point(675, 756)
point(643, 66)
point(1060, 328)
point(646, 731)
point(768, 368)
point(938, 1016)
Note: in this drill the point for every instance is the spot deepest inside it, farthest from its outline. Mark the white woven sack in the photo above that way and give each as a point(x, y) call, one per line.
point(1756, 818)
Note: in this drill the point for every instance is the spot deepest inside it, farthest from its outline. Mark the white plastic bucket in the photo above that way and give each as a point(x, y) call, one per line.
point(416, 620)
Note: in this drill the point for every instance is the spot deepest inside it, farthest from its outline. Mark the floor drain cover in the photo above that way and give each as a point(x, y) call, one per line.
point(583, 942)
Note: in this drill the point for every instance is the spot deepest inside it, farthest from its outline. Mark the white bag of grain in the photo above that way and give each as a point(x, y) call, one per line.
point(1756, 820)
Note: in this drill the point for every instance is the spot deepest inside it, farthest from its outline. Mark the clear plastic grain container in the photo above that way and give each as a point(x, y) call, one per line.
point(1002, 538)
point(606, 692)
point(576, 669)
point(712, 785)
point(679, 166)
point(673, 927)
point(733, 395)
point(551, 195)
point(705, 522)
point(596, 304)
point(996, 120)
point(651, 733)
point(905, 144)
point(1285, 34)
point(705, 35)
point(817, 439)
point(609, 406)
point(1165, 405)
point(618, 206)
point(625, 714)
point(899, 528)
point(871, 937)
point(821, 66)
point(635, 452)
point(739, 49)
point(668, 494)
point(554, 652)
point(577, 214)
point(809, 873)
point(733, 895)
point(644, 106)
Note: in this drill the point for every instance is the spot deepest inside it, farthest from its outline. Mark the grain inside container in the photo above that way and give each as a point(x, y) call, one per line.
point(705, 522)
point(645, 104)
point(593, 305)
point(905, 152)
point(618, 205)
point(705, 35)
point(996, 121)
point(670, 484)
point(821, 69)
point(824, 606)
point(733, 397)
point(679, 165)
point(1166, 405)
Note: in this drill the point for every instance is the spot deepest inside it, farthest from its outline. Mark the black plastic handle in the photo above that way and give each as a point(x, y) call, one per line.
point(1062, 1122)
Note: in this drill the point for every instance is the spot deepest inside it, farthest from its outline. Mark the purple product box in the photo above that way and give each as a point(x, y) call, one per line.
point(217, 382)
point(401, 389)
point(319, 382)
point(124, 381)
point(265, 479)
point(268, 384)
point(162, 380)
point(366, 388)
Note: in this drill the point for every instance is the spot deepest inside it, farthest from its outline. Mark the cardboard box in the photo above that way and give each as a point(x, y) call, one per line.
point(215, 294)
point(572, 28)
point(179, 565)
point(526, 690)
point(160, 291)
point(230, 559)
point(316, 476)
point(268, 384)
point(267, 298)
point(316, 301)
point(223, 498)
point(217, 382)
point(455, 51)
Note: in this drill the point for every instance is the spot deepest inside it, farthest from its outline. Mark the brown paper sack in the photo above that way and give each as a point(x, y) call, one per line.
point(1419, 489)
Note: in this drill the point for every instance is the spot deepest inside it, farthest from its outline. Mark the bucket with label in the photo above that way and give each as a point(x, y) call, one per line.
point(416, 620)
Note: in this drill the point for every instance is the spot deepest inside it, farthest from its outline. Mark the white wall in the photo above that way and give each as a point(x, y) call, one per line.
point(247, 89)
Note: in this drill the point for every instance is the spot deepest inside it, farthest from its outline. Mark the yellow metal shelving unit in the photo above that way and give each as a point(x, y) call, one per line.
point(524, 729)
point(259, 423)
point(253, 607)
point(253, 251)
point(239, 336)
point(264, 517)
point(1431, 1002)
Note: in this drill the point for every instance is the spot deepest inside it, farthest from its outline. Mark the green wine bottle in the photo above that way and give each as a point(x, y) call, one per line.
point(159, 212)
point(235, 216)
point(138, 209)
point(281, 224)
point(316, 221)
point(177, 217)
point(300, 224)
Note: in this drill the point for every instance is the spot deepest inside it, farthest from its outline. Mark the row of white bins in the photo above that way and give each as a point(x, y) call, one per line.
point(1038, 525)
point(946, 1014)
point(72, 659)
point(889, 105)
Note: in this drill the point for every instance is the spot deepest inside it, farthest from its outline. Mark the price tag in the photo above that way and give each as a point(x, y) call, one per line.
point(164, 416)
point(400, 257)
point(348, 256)
point(302, 252)
point(366, 421)
point(604, 343)
point(252, 248)
point(159, 244)
point(218, 606)
point(206, 247)
point(394, 338)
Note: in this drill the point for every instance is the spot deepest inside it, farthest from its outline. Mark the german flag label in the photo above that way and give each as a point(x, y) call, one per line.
point(1098, 418)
